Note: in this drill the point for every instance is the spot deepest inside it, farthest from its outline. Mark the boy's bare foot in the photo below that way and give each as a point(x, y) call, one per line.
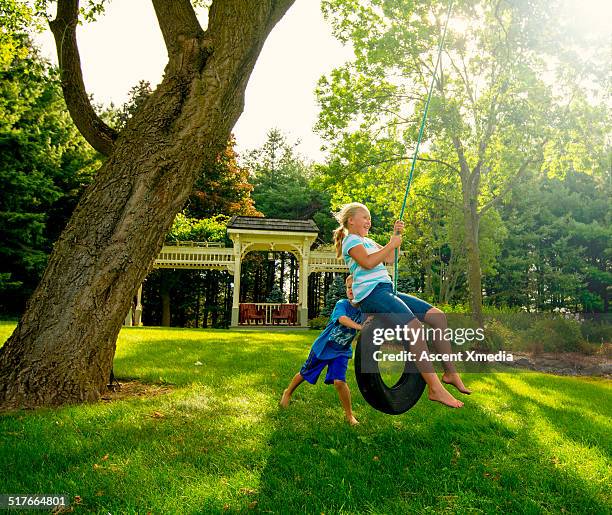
point(441, 395)
point(284, 402)
point(352, 420)
point(456, 381)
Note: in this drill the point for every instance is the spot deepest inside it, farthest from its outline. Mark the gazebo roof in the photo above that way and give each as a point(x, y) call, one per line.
point(254, 223)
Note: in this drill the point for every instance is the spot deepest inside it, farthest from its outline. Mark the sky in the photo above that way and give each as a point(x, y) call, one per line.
point(126, 46)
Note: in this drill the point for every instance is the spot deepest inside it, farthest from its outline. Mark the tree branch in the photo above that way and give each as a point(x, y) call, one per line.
point(486, 138)
point(99, 135)
point(395, 159)
point(438, 199)
point(509, 185)
point(257, 20)
point(178, 22)
point(464, 79)
point(463, 164)
point(448, 165)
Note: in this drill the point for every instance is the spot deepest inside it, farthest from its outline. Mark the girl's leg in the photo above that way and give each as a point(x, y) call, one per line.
point(437, 319)
point(345, 398)
point(386, 302)
point(436, 390)
point(295, 382)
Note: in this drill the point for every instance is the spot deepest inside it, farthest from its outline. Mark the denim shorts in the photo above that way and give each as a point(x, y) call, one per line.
point(382, 300)
point(336, 368)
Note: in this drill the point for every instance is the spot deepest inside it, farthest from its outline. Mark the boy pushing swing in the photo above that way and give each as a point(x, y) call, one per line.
point(332, 349)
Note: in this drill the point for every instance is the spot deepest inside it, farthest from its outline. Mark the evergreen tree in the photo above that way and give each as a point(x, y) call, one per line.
point(337, 291)
point(276, 295)
point(557, 254)
point(284, 186)
point(44, 166)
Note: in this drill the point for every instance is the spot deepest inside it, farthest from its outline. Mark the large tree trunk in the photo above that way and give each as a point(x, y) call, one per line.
point(470, 189)
point(471, 225)
point(63, 347)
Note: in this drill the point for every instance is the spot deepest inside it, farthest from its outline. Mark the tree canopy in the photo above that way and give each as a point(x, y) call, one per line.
point(511, 100)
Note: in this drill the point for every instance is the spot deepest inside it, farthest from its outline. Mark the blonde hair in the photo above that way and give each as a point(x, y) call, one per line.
point(347, 211)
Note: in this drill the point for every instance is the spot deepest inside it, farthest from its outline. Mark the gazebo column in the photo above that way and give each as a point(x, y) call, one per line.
point(128, 318)
point(236, 297)
point(303, 287)
point(138, 310)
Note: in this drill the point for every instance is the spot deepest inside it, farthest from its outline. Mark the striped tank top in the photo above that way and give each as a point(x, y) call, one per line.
point(364, 281)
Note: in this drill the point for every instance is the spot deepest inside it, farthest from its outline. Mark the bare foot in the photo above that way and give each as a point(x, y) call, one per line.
point(442, 396)
point(352, 420)
point(456, 381)
point(284, 402)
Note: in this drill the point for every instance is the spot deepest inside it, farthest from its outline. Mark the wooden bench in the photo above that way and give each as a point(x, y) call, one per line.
point(286, 312)
point(249, 312)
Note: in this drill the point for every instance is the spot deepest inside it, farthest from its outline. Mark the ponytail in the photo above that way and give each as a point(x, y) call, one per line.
point(339, 234)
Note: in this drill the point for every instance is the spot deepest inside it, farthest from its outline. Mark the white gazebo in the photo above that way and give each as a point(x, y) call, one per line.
point(271, 234)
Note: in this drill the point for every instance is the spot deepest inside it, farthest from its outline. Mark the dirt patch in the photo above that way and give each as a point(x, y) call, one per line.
point(565, 363)
point(131, 389)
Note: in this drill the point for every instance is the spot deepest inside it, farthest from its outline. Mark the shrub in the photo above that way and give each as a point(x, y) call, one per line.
point(318, 322)
point(276, 296)
point(605, 349)
point(501, 336)
point(597, 331)
point(555, 335)
point(536, 334)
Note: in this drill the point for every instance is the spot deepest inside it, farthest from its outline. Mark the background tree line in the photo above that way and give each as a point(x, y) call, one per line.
point(516, 175)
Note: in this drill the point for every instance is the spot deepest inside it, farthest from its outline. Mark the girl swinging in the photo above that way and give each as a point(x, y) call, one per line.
point(373, 290)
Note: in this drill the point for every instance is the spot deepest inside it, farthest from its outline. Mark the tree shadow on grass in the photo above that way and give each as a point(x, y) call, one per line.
point(430, 459)
point(583, 420)
point(192, 451)
point(219, 441)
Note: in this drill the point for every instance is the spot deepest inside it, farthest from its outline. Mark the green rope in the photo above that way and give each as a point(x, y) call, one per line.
point(416, 150)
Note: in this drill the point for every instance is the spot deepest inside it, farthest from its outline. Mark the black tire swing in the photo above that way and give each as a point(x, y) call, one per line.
point(392, 400)
point(406, 392)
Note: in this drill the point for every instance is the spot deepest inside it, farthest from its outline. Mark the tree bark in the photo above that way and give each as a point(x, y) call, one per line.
point(471, 224)
point(99, 135)
point(63, 347)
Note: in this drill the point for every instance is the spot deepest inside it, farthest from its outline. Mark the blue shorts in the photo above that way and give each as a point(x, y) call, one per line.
point(336, 368)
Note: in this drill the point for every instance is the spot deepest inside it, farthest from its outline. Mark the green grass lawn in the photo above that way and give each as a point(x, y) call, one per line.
point(524, 442)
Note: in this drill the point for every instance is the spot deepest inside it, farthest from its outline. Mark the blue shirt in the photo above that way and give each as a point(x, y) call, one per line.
point(364, 280)
point(335, 340)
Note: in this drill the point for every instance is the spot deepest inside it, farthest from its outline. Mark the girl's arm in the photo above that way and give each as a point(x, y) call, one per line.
point(389, 259)
point(369, 261)
point(346, 321)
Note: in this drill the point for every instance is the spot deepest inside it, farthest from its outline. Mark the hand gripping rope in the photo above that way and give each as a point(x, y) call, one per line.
point(406, 392)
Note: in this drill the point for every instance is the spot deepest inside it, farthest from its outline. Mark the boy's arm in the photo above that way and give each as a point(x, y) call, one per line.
point(347, 322)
